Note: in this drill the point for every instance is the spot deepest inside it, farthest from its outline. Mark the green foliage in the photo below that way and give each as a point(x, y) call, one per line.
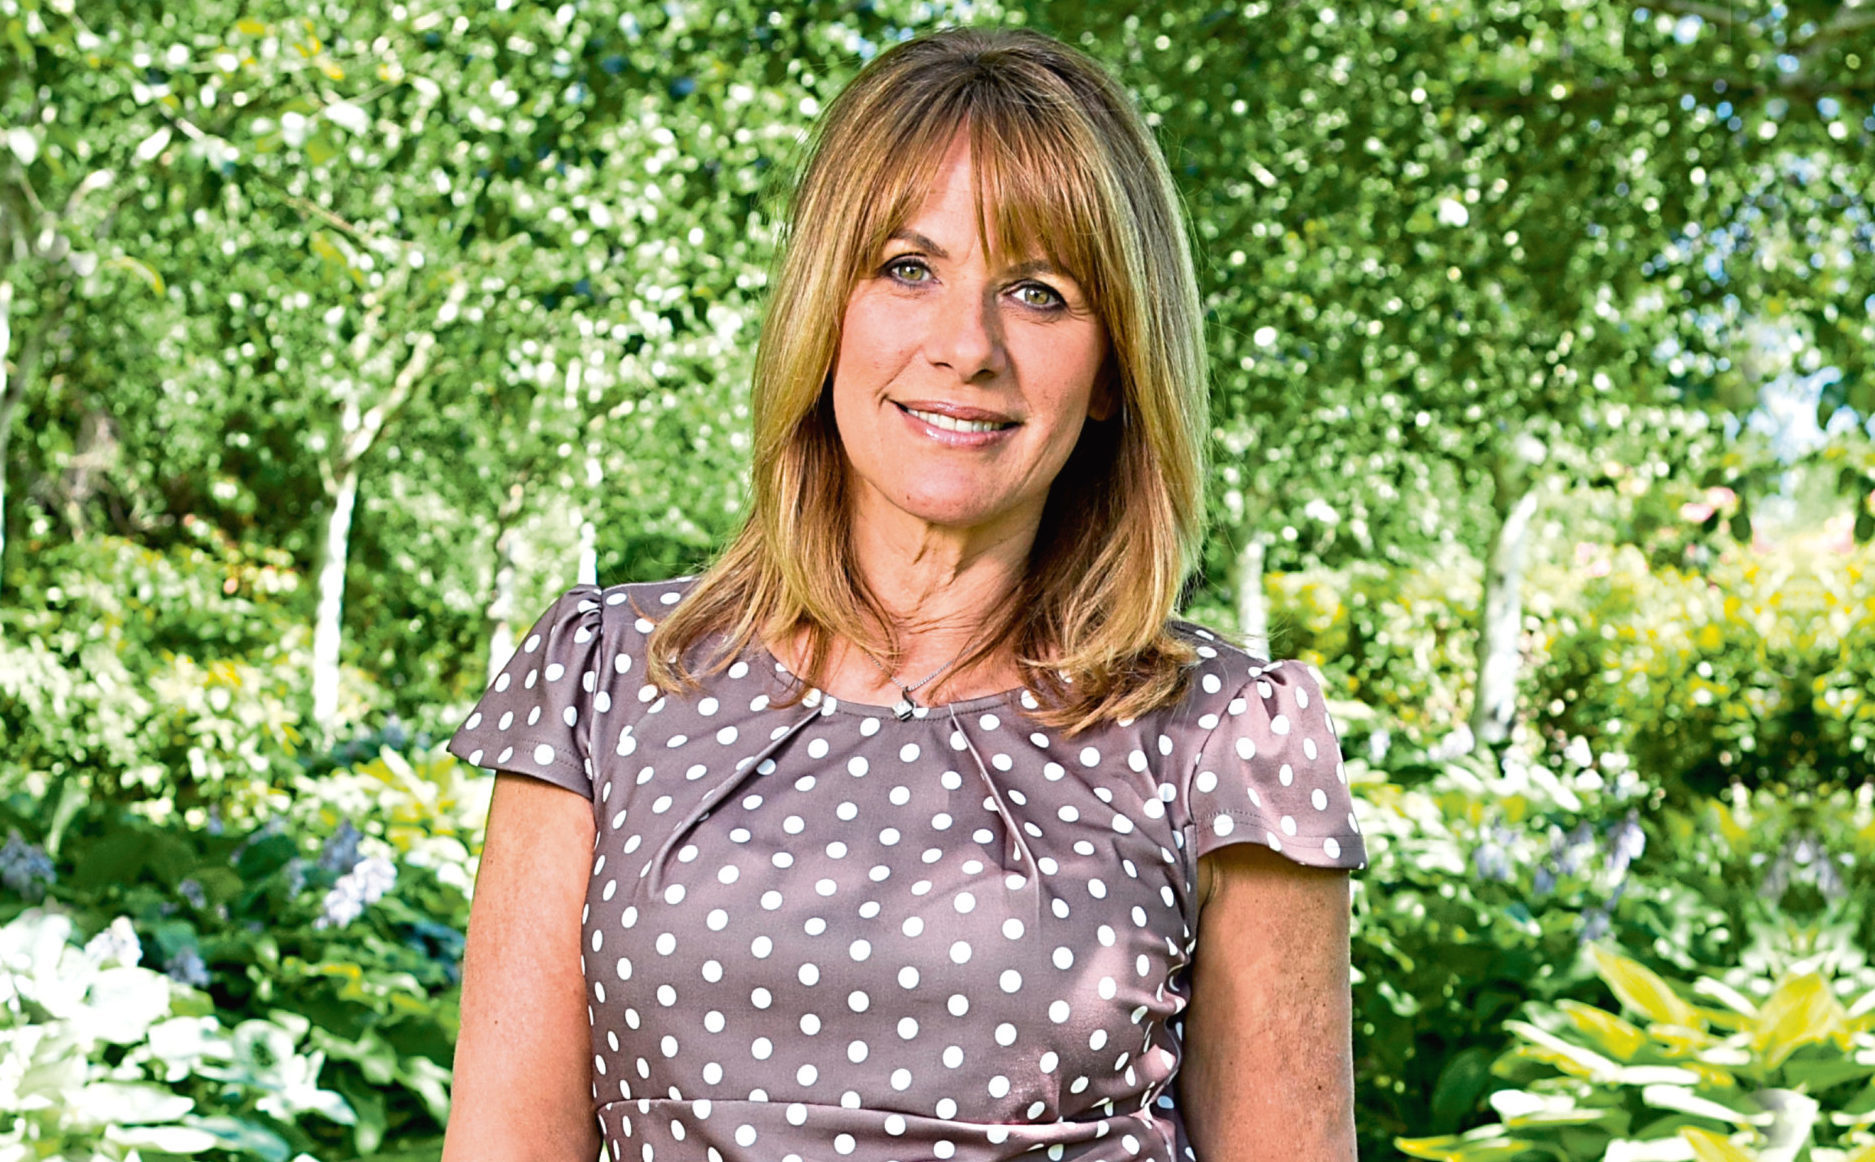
point(1754, 670)
point(501, 266)
point(337, 925)
point(165, 677)
point(1790, 1069)
point(103, 1058)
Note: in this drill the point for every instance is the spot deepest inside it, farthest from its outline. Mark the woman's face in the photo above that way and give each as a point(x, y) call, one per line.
point(960, 390)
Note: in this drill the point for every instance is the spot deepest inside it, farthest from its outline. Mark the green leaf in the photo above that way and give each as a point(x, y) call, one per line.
point(1572, 1059)
point(1639, 989)
point(243, 1136)
point(1683, 1100)
point(163, 1139)
point(1610, 1033)
point(1802, 1011)
point(1710, 1147)
point(141, 269)
point(1464, 1078)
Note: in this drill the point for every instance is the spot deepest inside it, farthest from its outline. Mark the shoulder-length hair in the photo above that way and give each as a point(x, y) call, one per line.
point(1064, 164)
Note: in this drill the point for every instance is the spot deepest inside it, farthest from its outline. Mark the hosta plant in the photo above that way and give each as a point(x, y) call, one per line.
point(105, 1059)
point(1746, 1069)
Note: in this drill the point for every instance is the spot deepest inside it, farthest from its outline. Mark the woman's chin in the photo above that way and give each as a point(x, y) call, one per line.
point(960, 511)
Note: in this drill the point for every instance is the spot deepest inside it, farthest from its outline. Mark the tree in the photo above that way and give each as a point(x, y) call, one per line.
point(1441, 242)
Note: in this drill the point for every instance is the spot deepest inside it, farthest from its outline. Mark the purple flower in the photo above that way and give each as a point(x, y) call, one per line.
point(340, 853)
point(1626, 842)
point(295, 872)
point(186, 967)
point(1594, 925)
point(191, 891)
point(364, 885)
point(24, 867)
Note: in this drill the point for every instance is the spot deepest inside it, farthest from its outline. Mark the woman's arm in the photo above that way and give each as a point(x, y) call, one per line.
point(1268, 1069)
point(523, 1088)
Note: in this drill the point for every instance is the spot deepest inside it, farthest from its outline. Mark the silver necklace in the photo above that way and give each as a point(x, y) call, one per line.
point(904, 708)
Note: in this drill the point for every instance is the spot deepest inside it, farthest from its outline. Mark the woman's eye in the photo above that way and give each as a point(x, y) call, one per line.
point(1048, 296)
point(897, 265)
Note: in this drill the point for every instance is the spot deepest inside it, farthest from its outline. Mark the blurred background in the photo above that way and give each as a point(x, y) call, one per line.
point(338, 340)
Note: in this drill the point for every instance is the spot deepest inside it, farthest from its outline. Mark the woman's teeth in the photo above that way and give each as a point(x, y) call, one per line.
point(951, 424)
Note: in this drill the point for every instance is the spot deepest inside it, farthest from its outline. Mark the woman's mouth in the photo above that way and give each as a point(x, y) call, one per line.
point(964, 421)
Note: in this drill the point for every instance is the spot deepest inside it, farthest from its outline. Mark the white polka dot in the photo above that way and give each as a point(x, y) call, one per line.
point(543, 754)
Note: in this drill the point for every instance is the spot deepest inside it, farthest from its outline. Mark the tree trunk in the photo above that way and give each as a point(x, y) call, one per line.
point(1500, 627)
point(1253, 611)
point(589, 524)
point(501, 606)
point(327, 631)
point(11, 392)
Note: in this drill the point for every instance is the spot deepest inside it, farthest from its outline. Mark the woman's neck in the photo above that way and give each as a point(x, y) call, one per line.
point(943, 590)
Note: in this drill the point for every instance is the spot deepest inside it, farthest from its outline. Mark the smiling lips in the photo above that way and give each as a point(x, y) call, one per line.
point(951, 418)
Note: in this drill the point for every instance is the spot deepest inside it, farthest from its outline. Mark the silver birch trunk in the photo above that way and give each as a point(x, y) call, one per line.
point(328, 629)
point(501, 606)
point(589, 525)
point(1500, 631)
point(9, 400)
point(1253, 608)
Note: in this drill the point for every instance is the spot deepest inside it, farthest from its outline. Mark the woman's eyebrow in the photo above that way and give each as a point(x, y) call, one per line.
point(905, 234)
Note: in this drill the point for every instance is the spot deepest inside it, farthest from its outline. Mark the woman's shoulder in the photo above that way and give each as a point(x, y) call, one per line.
point(1225, 673)
point(645, 601)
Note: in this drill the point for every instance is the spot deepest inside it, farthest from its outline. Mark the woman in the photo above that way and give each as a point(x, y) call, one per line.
point(899, 821)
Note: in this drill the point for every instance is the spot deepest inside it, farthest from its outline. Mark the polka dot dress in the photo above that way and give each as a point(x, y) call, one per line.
point(816, 931)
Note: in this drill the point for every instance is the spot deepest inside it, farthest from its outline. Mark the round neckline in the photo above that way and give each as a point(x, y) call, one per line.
point(833, 703)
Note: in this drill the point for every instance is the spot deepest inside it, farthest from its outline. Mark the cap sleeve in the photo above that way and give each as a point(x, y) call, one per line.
point(1270, 772)
point(534, 717)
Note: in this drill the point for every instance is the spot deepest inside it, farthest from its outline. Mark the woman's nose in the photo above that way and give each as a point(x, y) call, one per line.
point(965, 332)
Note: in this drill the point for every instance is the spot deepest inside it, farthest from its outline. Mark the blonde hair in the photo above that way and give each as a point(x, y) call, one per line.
point(1064, 163)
